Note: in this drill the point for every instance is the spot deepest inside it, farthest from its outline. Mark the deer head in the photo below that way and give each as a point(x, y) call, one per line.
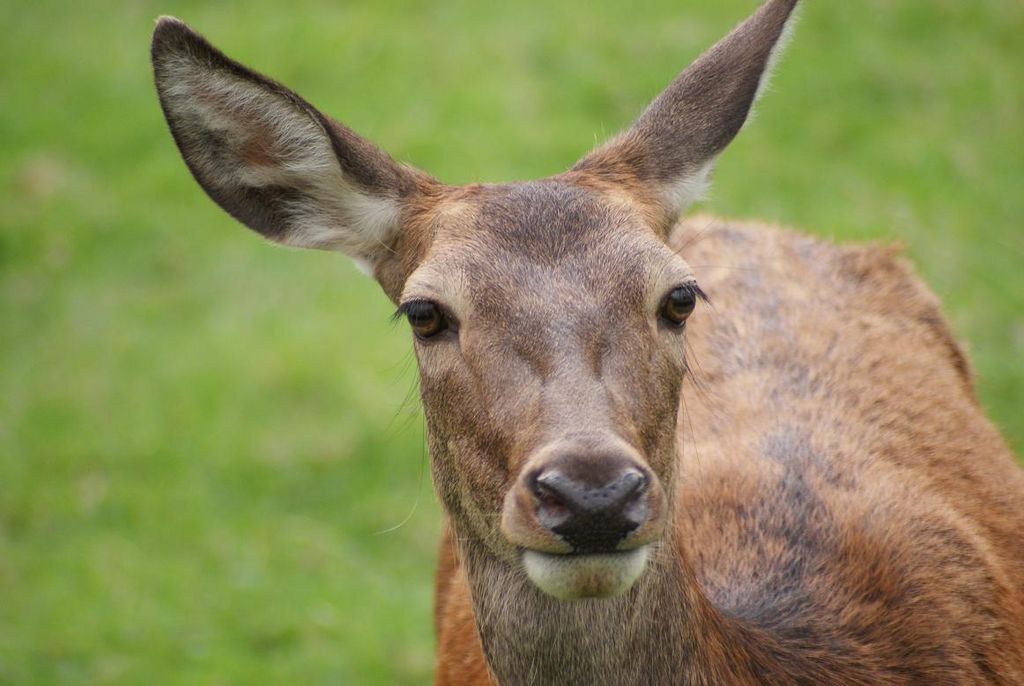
point(548, 317)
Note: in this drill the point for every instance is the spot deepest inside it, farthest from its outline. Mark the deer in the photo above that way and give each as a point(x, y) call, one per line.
point(654, 469)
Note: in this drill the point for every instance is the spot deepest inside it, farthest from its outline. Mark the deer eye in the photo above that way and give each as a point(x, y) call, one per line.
point(426, 318)
point(678, 305)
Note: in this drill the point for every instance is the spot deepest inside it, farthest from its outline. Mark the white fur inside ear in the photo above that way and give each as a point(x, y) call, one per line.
point(356, 223)
point(688, 188)
point(364, 266)
point(264, 140)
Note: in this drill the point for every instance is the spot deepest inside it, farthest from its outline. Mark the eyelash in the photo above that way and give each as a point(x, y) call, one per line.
point(697, 291)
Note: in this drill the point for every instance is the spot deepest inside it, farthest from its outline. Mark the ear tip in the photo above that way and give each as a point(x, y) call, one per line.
point(172, 35)
point(168, 27)
point(165, 21)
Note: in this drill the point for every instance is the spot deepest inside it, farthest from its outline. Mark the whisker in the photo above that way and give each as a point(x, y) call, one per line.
point(726, 266)
point(699, 234)
point(406, 408)
point(419, 490)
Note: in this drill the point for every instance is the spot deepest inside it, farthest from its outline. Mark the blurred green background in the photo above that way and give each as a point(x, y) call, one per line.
point(211, 461)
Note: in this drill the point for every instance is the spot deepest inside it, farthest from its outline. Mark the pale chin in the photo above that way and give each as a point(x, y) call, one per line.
point(572, 577)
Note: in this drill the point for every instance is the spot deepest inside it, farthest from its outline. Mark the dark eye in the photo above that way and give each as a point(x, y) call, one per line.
point(678, 305)
point(426, 318)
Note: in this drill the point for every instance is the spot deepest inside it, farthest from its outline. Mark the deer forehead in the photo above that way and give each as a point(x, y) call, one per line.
point(541, 246)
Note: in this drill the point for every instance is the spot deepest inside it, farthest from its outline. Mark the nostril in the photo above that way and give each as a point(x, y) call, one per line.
point(545, 485)
point(547, 494)
point(553, 506)
point(633, 484)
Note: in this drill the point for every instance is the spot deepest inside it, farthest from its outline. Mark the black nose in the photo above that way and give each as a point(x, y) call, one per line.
point(591, 509)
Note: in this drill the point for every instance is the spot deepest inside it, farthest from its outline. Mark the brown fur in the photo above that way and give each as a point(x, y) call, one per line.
point(824, 501)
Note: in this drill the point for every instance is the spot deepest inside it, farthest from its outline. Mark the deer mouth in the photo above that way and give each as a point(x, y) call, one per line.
point(575, 576)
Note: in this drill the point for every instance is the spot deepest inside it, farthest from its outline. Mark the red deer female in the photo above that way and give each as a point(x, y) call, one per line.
point(821, 502)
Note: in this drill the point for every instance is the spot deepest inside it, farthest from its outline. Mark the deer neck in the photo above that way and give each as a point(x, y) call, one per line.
point(663, 630)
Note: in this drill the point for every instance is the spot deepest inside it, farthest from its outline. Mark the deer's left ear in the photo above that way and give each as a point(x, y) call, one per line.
point(270, 159)
point(666, 155)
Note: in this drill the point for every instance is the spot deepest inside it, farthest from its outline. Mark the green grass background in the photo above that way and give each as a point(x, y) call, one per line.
point(202, 437)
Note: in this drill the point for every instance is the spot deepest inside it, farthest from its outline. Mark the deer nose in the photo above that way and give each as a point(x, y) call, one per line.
point(591, 510)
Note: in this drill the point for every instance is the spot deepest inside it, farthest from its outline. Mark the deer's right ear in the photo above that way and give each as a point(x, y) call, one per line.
point(668, 151)
point(270, 159)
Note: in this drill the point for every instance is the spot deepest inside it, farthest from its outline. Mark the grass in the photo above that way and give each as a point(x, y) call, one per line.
point(202, 438)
